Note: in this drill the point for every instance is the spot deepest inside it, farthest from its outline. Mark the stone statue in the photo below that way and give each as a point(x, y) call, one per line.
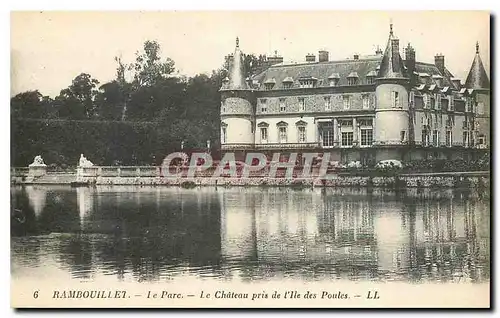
point(84, 162)
point(38, 162)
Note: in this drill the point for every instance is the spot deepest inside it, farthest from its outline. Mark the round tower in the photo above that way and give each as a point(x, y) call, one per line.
point(391, 111)
point(237, 111)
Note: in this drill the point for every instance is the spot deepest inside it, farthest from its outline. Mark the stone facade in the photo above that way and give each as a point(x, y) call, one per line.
point(378, 102)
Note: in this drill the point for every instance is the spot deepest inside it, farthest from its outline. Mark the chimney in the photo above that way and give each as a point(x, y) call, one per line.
point(310, 58)
point(379, 51)
point(323, 56)
point(276, 59)
point(439, 62)
point(356, 56)
point(410, 61)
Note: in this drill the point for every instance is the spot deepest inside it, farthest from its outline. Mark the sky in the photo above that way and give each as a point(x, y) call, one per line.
point(49, 49)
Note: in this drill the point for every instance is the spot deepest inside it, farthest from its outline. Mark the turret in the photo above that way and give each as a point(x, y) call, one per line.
point(478, 82)
point(391, 113)
point(477, 78)
point(237, 110)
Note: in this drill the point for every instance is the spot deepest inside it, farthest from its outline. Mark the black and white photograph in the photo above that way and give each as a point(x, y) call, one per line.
point(250, 159)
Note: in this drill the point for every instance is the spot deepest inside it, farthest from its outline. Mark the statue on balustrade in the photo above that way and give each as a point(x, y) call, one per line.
point(38, 162)
point(84, 162)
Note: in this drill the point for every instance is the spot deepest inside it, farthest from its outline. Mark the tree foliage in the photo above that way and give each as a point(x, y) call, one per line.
point(145, 112)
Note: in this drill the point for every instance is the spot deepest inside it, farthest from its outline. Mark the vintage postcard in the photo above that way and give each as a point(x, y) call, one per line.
point(316, 159)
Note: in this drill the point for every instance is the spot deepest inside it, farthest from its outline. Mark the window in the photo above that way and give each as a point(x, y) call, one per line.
point(403, 135)
point(480, 108)
point(302, 133)
point(282, 131)
point(352, 81)
point(307, 83)
point(426, 99)
point(465, 137)
point(224, 135)
point(287, 85)
point(395, 100)
point(326, 135)
point(370, 79)
point(346, 102)
point(468, 104)
point(263, 105)
point(223, 106)
point(302, 104)
point(425, 137)
point(481, 140)
point(346, 123)
point(438, 102)
point(435, 138)
point(464, 125)
point(366, 137)
point(365, 122)
point(347, 138)
point(282, 105)
point(366, 101)
point(412, 99)
point(451, 103)
point(327, 103)
point(471, 138)
point(449, 122)
point(263, 134)
point(449, 138)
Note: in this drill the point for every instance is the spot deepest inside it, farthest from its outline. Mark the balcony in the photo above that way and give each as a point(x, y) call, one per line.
point(268, 146)
point(236, 146)
point(298, 145)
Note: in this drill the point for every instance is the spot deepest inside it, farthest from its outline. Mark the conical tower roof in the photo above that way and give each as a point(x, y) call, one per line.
point(392, 63)
point(477, 78)
point(237, 73)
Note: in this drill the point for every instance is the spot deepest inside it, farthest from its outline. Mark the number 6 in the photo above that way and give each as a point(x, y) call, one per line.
point(35, 294)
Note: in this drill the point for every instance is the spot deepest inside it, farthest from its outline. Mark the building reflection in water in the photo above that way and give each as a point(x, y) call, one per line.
point(159, 233)
point(353, 234)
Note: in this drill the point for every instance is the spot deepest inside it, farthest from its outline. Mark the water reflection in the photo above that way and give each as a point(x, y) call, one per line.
point(160, 233)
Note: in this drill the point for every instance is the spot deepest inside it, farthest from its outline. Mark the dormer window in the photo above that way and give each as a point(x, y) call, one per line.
point(328, 105)
point(287, 82)
point(425, 77)
point(269, 83)
point(263, 105)
point(352, 79)
point(451, 103)
point(308, 82)
point(346, 101)
point(334, 79)
point(370, 77)
point(438, 79)
point(302, 104)
point(438, 102)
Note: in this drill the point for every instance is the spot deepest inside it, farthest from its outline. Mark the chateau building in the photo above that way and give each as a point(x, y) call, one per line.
point(366, 108)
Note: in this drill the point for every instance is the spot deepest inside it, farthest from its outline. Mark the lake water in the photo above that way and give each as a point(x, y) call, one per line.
point(157, 234)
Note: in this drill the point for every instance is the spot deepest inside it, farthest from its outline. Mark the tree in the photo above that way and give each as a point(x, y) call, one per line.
point(78, 100)
point(31, 104)
point(149, 68)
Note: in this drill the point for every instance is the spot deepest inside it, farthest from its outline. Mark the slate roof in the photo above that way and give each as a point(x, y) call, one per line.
point(477, 77)
point(392, 65)
point(324, 71)
point(236, 72)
